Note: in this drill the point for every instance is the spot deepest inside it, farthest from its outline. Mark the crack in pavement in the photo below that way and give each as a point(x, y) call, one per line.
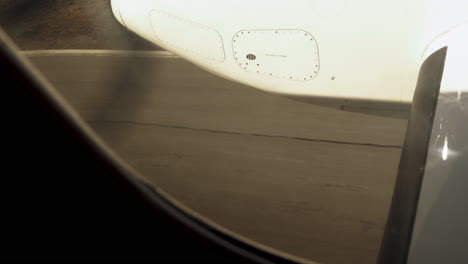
point(246, 134)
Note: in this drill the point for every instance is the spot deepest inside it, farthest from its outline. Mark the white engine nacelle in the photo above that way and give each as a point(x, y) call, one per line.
point(345, 52)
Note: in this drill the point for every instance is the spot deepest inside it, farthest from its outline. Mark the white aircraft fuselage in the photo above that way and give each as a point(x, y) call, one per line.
point(343, 52)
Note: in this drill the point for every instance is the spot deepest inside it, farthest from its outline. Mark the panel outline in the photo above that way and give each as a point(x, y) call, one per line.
point(184, 49)
point(282, 29)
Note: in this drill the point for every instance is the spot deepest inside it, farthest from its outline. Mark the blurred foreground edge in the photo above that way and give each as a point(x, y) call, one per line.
point(66, 197)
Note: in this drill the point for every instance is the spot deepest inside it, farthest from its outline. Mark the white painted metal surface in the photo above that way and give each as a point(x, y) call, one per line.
point(456, 66)
point(289, 54)
point(185, 36)
point(368, 50)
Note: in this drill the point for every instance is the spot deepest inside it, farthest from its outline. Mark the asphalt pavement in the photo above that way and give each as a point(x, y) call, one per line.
point(311, 181)
point(65, 24)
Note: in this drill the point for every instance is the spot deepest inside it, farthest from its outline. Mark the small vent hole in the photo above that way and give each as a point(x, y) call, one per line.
point(251, 57)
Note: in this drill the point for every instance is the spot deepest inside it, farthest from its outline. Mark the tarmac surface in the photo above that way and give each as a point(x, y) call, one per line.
point(66, 24)
point(310, 181)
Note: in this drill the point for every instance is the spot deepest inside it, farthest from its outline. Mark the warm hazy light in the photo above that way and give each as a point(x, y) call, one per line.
point(445, 149)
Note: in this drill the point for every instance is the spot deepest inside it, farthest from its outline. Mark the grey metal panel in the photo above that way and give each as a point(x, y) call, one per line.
point(399, 227)
point(440, 233)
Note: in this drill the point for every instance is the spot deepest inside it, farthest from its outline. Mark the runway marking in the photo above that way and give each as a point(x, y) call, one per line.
point(247, 134)
point(124, 53)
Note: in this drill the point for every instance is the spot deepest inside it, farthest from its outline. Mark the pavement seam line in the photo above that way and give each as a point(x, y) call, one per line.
point(90, 52)
point(247, 134)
